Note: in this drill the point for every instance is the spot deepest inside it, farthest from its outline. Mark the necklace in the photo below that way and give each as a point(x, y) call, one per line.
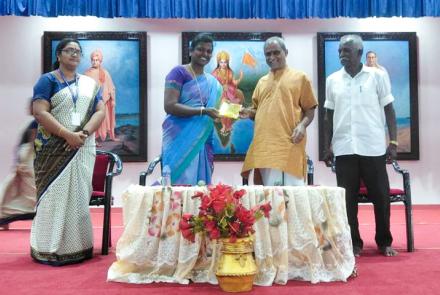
point(197, 83)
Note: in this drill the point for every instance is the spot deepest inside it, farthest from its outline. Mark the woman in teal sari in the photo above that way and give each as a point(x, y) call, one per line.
point(191, 96)
point(68, 109)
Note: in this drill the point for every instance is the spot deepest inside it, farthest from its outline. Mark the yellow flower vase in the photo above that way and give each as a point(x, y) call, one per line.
point(236, 267)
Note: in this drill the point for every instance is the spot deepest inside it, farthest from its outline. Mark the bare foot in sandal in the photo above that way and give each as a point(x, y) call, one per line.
point(357, 251)
point(388, 251)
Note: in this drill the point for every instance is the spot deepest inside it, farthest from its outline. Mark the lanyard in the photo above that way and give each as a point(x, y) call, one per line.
point(74, 95)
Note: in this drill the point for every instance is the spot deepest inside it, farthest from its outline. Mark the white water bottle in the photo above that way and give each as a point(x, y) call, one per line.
point(166, 176)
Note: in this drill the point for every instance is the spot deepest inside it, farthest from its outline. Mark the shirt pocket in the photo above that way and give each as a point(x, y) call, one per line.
point(367, 96)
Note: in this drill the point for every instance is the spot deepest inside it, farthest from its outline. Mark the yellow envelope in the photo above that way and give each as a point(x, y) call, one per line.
point(230, 110)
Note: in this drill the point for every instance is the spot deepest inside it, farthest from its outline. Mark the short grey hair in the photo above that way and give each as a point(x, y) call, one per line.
point(355, 39)
point(278, 40)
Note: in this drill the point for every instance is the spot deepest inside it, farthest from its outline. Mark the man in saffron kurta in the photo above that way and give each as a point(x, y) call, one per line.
point(283, 106)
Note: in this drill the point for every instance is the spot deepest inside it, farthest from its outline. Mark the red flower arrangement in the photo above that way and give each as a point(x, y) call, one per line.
point(222, 215)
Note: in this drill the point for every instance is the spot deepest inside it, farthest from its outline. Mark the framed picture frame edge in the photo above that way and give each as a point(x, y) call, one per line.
point(141, 36)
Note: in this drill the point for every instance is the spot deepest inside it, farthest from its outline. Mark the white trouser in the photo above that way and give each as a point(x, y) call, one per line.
point(272, 177)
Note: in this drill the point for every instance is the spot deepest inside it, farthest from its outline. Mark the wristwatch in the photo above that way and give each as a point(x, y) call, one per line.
point(86, 132)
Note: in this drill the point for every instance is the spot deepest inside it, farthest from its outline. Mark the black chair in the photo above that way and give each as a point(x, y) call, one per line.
point(150, 169)
point(103, 173)
point(396, 195)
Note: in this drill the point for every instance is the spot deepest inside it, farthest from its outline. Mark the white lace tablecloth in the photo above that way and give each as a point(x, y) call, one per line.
point(306, 238)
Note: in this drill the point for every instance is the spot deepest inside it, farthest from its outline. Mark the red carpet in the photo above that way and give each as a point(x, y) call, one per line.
point(408, 273)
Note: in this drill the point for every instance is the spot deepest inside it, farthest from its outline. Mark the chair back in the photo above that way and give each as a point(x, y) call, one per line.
point(143, 175)
point(102, 190)
point(310, 171)
point(100, 171)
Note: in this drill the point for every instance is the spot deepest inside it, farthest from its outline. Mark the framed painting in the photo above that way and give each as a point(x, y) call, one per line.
point(244, 55)
point(394, 53)
point(118, 62)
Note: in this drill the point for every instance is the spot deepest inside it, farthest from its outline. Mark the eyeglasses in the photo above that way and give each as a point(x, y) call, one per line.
point(72, 51)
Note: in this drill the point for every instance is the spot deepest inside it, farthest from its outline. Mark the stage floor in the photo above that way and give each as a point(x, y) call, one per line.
point(408, 273)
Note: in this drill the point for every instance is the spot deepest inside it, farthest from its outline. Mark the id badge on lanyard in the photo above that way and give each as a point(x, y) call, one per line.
point(75, 117)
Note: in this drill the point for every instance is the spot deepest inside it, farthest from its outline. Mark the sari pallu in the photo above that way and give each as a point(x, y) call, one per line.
point(62, 231)
point(187, 141)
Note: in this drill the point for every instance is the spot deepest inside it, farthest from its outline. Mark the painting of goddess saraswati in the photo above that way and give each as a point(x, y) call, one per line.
point(238, 63)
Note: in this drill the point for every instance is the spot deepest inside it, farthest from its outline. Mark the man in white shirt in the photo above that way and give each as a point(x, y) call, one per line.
point(357, 97)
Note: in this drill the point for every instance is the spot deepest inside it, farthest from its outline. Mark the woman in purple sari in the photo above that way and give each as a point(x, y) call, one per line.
point(191, 96)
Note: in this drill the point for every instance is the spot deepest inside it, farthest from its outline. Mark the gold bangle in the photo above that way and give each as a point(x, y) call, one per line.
point(394, 142)
point(60, 131)
point(201, 110)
